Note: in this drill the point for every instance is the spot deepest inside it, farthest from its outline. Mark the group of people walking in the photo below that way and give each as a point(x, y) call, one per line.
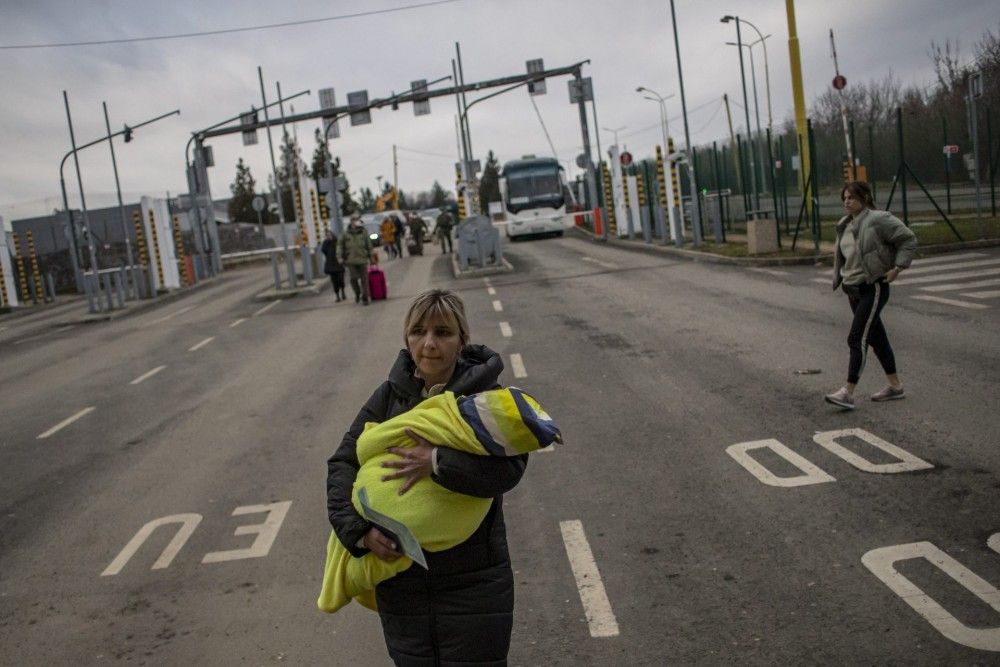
point(354, 251)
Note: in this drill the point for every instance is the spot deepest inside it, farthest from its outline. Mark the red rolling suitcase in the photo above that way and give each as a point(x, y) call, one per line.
point(376, 283)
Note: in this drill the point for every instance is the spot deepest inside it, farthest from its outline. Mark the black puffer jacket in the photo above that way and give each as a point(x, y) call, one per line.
point(459, 611)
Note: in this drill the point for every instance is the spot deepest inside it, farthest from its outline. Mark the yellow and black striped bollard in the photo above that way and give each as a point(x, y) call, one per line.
point(609, 200)
point(36, 273)
point(315, 211)
point(156, 249)
point(458, 194)
point(22, 276)
point(661, 178)
point(179, 248)
point(674, 181)
point(3, 288)
point(300, 218)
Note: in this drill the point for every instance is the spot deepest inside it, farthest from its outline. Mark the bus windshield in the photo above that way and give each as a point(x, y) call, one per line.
point(534, 186)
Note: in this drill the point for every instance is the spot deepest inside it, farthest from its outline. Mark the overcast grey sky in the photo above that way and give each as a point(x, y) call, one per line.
point(212, 78)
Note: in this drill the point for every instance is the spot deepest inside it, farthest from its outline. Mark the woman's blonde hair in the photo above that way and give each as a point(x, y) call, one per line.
point(439, 302)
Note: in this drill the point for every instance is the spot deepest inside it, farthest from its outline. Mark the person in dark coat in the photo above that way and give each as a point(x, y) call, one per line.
point(332, 267)
point(460, 610)
point(400, 233)
point(443, 229)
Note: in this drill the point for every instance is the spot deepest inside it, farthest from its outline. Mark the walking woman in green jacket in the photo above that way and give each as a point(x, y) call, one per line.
point(872, 248)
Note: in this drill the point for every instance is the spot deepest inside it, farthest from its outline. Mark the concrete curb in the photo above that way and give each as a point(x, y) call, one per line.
point(144, 305)
point(824, 258)
point(504, 267)
point(709, 257)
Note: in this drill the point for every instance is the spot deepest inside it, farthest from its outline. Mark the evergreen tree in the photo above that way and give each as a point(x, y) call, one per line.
point(321, 155)
point(288, 173)
point(489, 184)
point(367, 199)
point(439, 196)
point(403, 203)
point(242, 189)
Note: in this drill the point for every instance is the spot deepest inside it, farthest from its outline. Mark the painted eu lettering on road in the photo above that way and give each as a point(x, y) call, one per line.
point(265, 532)
point(830, 441)
point(881, 562)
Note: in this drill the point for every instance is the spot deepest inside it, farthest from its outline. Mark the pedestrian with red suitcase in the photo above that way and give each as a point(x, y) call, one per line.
point(377, 286)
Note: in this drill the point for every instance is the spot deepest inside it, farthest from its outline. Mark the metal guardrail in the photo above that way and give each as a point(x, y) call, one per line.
point(255, 253)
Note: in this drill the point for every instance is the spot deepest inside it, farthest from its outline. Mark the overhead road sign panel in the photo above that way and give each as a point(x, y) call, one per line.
point(358, 100)
point(328, 100)
point(249, 136)
point(421, 103)
point(536, 67)
point(581, 88)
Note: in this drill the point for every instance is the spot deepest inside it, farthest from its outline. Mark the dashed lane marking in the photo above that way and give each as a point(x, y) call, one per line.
point(147, 375)
point(170, 315)
point(606, 265)
point(237, 323)
point(487, 281)
point(825, 281)
point(43, 335)
point(66, 422)
point(951, 302)
point(773, 272)
point(505, 329)
point(951, 287)
point(989, 294)
point(198, 346)
point(596, 606)
point(491, 291)
point(497, 306)
point(267, 308)
point(517, 365)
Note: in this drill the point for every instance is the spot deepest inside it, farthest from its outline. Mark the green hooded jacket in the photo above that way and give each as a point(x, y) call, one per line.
point(883, 241)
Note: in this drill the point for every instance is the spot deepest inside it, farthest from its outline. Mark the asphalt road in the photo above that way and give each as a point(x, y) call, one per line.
point(646, 539)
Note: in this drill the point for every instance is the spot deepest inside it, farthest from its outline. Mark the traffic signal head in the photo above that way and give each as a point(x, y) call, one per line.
point(128, 134)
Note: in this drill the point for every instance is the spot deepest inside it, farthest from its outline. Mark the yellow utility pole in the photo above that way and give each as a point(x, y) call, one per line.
point(798, 96)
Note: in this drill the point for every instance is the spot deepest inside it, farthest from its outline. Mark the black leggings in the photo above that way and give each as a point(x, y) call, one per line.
point(867, 329)
point(338, 282)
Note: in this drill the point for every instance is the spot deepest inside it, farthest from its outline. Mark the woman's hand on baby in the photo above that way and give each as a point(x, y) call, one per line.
point(414, 463)
point(380, 545)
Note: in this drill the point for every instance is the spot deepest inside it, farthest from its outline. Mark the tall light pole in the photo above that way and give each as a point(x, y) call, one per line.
point(695, 197)
point(754, 176)
point(664, 120)
point(121, 206)
point(615, 131)
point(756, 103)
point(798, 96)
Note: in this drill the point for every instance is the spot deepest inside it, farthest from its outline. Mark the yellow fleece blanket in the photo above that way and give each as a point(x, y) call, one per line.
point(501, 422)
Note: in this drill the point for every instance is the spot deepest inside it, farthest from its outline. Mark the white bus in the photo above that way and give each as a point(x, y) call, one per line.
point(535, 197)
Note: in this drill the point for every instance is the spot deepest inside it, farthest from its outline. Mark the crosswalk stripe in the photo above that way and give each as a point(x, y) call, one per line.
point(825, 281)
point(951, 302)
point(981, 273)
point(989, 294)
point(956, 265)
point(946, 258)
point(957, 286)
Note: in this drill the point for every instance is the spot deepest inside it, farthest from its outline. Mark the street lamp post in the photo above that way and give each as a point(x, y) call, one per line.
point(756, 103)
point(664, 120)
point(615, 131)
point(692, 174)
point(121, 206)
point(754, 174)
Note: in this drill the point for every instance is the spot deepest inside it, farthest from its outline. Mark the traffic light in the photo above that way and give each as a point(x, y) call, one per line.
point(847, 171)
point(128, 134)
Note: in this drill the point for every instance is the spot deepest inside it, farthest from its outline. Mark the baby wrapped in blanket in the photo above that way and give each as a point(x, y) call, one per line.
point(498, 422)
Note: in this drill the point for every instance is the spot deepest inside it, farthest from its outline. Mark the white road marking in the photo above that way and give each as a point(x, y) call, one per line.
point(147, 375)
point(907, 462)
point(772, 272)
point(606, 265)
point(811, 473)
point(825, 281)
point(506, 330)
point(491, 291)
point(952, 302)
point(517, 365)
point(238, 322)
point(487, 281)
point(173, 314)
point(961, 275)
point(951, 267)
point(267, 308)
point(989, 294)
point(66, 422)
point(266, 532)
point(881, 562)
point(944, 259)
point(497, 306)
point(198, 346)
point(3, 328)
point(596, 606)
point(188, 523)
point(957, 286)
point(43, 335)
